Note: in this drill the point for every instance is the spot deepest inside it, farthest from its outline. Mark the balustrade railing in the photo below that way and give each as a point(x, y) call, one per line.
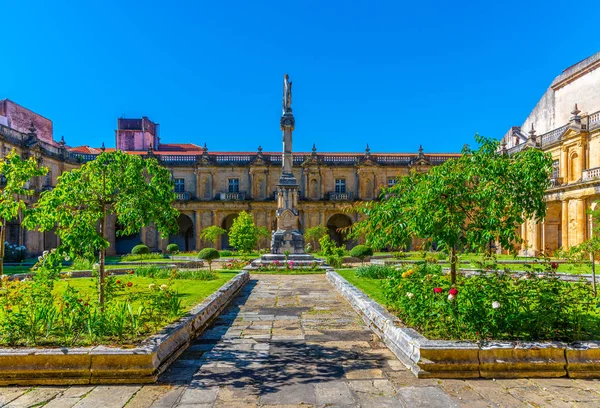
point(178, 158)
point(232, 196)
point(185, 196)
point(594, 120)
point(591, 174)
point(556, 181)
point(12, 134)
point(516, 149)
point(554, 135)
point(333, 196)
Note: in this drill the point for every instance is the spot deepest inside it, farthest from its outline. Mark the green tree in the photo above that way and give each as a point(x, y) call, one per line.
point(243, 234)
point(361, 252)
point(475, 200)
point(262, 232)
point(136, 191)
point(15, 173)
point(314, 234)
point(212, 234)
point(209, 255)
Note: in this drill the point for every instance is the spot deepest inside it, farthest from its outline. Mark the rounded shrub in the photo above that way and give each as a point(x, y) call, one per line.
point(140, 250)
point(172, 248)
point(361, 252)
point(209, 255)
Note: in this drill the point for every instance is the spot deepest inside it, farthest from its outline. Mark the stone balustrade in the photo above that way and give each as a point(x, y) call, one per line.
point(185, 196)
point(594, 120)
point(591, 174)
point(333, 196)
point(232, 196)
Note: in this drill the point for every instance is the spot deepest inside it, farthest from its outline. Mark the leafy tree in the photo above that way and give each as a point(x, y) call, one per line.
point(262, 232)
point(314, 234)
point(172, 248)
point(209, 255)
point(243, 234)
point(361, 252)
point(15, 173)
point(332, 253)
point(475, 200)
point(212, 234)
point(135, 191)
point(140, 249)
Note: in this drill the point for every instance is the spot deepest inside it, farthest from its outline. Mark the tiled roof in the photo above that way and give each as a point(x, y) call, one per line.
point(90, 150)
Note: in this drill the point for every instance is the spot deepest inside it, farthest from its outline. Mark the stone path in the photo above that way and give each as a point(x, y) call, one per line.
point(291, 341)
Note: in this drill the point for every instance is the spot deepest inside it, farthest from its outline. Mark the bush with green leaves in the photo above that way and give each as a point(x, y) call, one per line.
point(140, 250)
point(81, 264)
point(209, 255)
point(14, 252)
point(493, 305)
point(361, 252)
point(332, 253)
point(172, 248)
point(147, 257)
point(375, 271)
point(225, 253)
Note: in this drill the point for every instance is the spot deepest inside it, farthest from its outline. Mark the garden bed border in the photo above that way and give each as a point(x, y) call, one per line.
point(116, 365)
point(467, 359)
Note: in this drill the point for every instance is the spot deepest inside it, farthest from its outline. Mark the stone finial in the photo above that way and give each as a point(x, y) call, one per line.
point(62, 141)
point(32, 128)
point(421, 152)
point(367, 151)
point(575, 121)
point(205, 151)
point(260, 149)
point(532, 131)
point(103, 148)
point(314, 150)
point(575, 111)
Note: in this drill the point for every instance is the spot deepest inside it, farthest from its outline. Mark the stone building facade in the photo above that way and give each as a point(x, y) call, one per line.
point(214, 187)
point(566, 123)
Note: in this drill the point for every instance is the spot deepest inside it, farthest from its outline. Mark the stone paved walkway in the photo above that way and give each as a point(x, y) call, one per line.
point(291, 341)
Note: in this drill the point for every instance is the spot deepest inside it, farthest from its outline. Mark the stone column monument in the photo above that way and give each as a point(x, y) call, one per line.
point(287, 242)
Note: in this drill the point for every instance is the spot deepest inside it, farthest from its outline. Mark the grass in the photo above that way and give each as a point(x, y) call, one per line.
point(371, 287)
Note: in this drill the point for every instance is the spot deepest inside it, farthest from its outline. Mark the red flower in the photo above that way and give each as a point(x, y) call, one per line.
point(86, 304)
point(118, 282)
point(437, 290)
point(554, 265)
point(453, 292)
point(129, 284)
point(131, 272)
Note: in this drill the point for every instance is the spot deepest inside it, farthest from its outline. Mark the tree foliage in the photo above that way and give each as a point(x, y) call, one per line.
point(212, 234)
point(16, 172)
point(209, 255)
point(473, 201)
point(136, 191)
point(361, 252)
point(314, 234)
point(243, 234)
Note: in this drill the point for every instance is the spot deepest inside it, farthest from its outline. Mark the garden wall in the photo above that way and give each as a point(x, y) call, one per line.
point(110, 365)
point(465, 359)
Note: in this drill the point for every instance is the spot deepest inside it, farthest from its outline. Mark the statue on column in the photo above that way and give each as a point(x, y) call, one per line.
point(287, 94)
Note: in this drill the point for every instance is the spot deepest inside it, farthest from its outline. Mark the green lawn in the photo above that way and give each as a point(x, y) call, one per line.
point(371, 287)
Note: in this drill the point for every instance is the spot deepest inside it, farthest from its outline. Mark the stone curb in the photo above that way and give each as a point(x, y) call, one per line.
point(465, 359)
point(116, 365)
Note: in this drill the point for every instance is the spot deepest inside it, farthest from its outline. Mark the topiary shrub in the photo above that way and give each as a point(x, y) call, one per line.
point(172, 248)
point(361, 252)
point(209, 255)
point(140, 250)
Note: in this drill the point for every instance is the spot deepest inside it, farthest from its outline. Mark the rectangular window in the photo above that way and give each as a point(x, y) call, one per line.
point(179, 185)
point(234, 185)
point(392, 181)
point(48, 179)
point(340, 185)
point(555, 169)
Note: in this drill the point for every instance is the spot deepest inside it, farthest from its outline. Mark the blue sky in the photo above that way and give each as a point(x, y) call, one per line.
point(390, 73)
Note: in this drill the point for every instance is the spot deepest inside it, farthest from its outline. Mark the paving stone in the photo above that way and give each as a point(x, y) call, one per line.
point(108, 396)
point(334, 394)
point(376, 387)
point(35, 396)
point(196, 395)
point(430, 397)
point(148, 395)
point(7, 394)
point(61, 402)
point(168, 399)
point(290, 394)
point(77, 391)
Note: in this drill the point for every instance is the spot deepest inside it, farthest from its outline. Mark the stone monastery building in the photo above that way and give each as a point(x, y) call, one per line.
point(213, 187)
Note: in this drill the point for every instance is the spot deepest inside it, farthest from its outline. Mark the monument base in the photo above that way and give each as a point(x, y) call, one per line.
point(290, 242)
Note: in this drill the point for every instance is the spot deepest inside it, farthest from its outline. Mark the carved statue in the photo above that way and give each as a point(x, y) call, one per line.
point(287, 94)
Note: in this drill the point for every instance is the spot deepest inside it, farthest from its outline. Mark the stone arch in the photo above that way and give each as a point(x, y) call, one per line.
point(314, 189)
point(226, 225)
point(574, 167)
point(334, 224)
point(185, 237)
point(125, 243)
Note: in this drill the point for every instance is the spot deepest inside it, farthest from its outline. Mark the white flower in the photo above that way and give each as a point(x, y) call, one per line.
point(67, 258)
point(64, 254)
point(45, 254)
point(96, 266)
point(40, 259)
point(151, 286)
point(53, 250)
point(409, 295)
point(451, 297)
point(163, 287)
point(496, 305)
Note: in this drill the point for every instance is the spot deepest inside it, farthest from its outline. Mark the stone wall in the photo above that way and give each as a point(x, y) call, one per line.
point(20, 118)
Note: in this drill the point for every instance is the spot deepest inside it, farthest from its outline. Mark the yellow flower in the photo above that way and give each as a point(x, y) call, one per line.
point(407, 273)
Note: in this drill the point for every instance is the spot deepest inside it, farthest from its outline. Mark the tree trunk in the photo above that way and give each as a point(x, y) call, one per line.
point(101, 256)
point(2, 238)
point(453, 262)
